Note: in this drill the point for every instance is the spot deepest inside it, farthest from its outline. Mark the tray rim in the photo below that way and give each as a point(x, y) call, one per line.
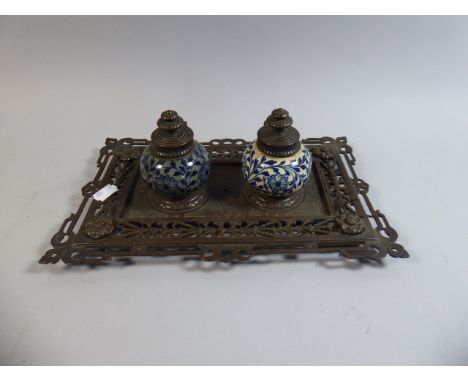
point(376, 240)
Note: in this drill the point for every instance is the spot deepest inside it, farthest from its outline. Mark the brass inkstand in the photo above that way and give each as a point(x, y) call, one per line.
point(225, 200)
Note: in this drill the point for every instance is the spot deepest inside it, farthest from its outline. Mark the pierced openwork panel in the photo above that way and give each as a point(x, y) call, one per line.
point(333, 214)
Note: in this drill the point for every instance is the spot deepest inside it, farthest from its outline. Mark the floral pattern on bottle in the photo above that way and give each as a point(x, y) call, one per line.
point(176, 176)
point(276, 176)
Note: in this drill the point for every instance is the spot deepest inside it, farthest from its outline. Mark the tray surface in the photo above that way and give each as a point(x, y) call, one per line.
point(333, 213)
point(226, 190)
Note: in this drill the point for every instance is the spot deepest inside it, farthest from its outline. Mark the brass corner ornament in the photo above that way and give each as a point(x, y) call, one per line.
point(350, 224)
point(126, 152)
point(99, 227)
point(326, 151)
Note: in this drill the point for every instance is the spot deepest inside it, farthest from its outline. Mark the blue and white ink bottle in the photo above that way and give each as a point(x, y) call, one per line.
point(277, 164)
point(175, 165)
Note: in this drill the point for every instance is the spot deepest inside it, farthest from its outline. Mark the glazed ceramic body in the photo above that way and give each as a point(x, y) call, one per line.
point(176, 176)
point(276, 176)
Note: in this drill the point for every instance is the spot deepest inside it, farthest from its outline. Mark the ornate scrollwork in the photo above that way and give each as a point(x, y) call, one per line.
point(349, 215)
point(224, 229)
point(62, 241)
point(385, 234)
point(225, 149)
point(52, 256)
point(342, 200)
point(119, 178)
point(397, 250)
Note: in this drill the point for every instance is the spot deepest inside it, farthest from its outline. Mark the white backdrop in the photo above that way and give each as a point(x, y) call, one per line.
point(397, 87)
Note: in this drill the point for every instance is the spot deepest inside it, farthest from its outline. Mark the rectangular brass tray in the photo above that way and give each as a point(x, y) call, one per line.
point(335, 214)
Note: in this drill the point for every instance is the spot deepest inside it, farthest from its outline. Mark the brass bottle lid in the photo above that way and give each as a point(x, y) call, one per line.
point(278, 137)
point(172, 138)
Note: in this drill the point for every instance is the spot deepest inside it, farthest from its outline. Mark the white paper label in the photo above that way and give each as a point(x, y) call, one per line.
point(105, 192)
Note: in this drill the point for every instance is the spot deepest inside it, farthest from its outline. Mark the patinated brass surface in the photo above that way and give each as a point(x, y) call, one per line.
point(277, 137)
point(173, 138)
point(334, 213)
